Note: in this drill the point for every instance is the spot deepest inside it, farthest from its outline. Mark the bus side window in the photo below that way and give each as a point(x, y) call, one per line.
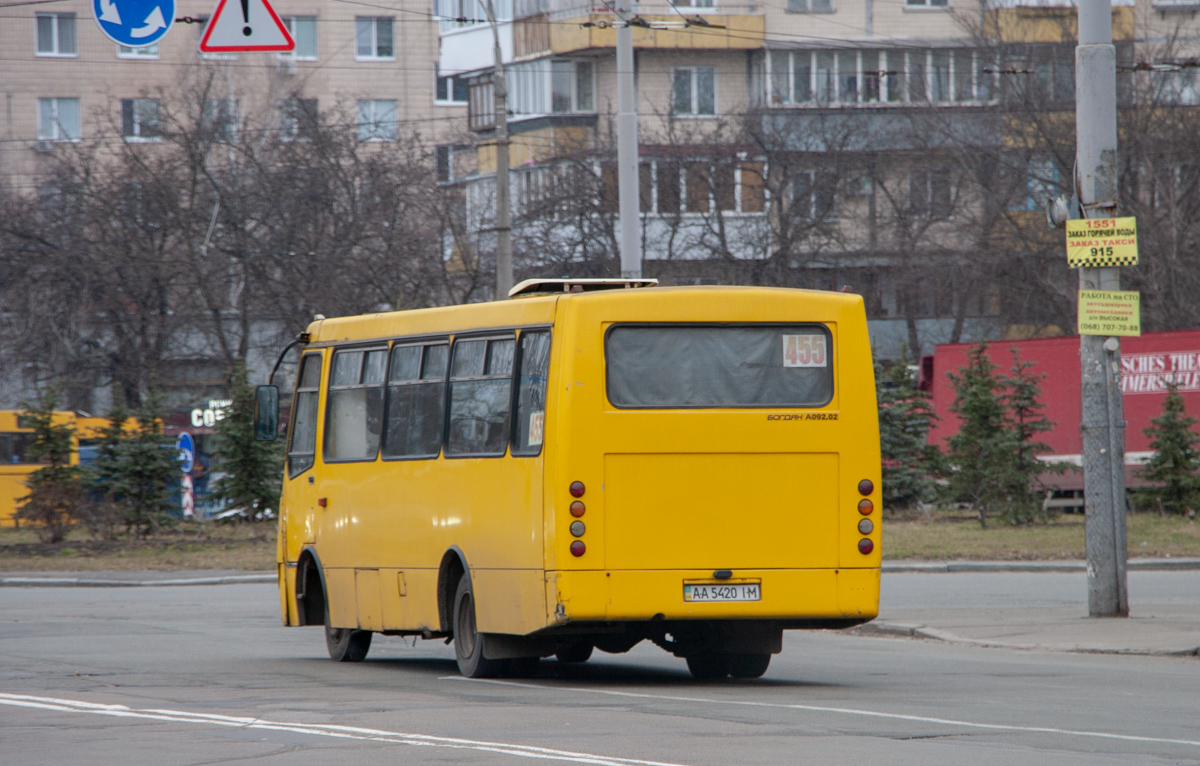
point(531, 393)
point(302, 445)
point(416, 401)
point(354, 414)
point(480, 396)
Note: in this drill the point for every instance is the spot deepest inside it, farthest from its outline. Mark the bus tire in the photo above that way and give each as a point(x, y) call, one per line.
point(708, 666)
point(748, 665)
point(468, 642)
point(574, 652)
point(347, 644)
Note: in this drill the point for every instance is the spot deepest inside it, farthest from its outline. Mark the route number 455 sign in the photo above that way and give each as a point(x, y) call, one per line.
point(804, 350)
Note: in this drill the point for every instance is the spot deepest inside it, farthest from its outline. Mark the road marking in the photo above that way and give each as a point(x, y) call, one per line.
point(842, 711)
point(322, 730)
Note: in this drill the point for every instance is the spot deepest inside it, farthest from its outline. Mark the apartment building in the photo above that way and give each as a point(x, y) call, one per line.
point(805, 142)
point(64, 81)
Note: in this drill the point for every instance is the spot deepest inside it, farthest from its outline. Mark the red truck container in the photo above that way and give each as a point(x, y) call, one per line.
point(1147, 364)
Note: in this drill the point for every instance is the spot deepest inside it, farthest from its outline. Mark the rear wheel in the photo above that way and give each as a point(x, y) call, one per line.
point(748, 665)
point(347, 644)
point(469, 643)
point(574, 652)
point(709, 666)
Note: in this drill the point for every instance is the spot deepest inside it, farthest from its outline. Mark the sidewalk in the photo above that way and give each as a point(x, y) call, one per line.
point(1155, 629)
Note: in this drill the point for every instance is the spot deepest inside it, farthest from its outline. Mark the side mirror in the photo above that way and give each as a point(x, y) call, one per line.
point(266, 413)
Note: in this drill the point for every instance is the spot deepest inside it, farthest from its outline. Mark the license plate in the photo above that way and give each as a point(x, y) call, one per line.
point(732, 590)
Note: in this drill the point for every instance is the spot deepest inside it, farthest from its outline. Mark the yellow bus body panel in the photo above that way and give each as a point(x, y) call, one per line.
point(671, 494)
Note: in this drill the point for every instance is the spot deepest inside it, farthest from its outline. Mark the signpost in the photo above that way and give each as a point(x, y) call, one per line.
point(134, 23)
point(187, 461)
point(1096, 243)
point(245, 26)
point(1110, 312)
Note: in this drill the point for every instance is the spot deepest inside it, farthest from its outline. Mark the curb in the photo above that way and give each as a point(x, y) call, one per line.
point(1134, 565)
point(83, 582)
point(902, 630)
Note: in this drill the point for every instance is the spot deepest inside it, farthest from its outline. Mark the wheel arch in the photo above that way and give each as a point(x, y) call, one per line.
point(452, 569)
point(311, 604)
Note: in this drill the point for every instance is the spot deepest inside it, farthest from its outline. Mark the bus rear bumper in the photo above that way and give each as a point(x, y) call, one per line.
point(805, 597)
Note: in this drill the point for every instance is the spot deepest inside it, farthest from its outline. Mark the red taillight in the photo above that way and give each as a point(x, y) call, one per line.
point(577, 548)
point(865, 487)
point(577, 489)
point(865, 546)
point(577, 509)
point(865, 506)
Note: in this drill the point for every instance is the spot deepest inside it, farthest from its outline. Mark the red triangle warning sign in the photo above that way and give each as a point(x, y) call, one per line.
point(249, 26)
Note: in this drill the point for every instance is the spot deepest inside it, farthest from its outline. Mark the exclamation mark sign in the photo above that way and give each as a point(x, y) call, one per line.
point(246, 17)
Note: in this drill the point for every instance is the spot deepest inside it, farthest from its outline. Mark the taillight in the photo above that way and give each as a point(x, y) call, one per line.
point(865, 506)
point(577, 489)
point(577, 509)
point(577, 528)
point(865, 527)
point(865, 546)
point(577, 548)
point(865, 487)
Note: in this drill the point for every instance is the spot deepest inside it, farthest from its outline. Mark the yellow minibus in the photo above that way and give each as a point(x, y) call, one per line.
point(589, 465)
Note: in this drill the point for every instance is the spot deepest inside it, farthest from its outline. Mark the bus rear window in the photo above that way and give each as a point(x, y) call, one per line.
point(673, 366)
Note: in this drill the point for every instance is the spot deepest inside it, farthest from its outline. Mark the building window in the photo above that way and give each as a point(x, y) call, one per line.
point(571, 86)
point(221, 117)
point(931, 193)
point(810, 6)
point(377, 120)
point(297, 119)
point(56, 34)
point(450, 90)
point(1041, 184)
point(303, 30)
point(140, 119)
point(58, 119)
point(693, 91)
point(148, 52)
point(925, 3)
point(373, 39)
point(814, 195)
point(669, 187)
point(695, 3)
point(809, 78)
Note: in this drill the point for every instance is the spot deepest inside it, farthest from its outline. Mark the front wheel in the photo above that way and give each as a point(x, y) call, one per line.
point(347, 644)
point(469, 643)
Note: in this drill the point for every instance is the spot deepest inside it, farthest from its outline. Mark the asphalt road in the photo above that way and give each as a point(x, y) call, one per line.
point(205, 675)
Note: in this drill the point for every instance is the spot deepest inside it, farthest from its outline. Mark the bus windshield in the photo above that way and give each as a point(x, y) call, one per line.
point(673, 366)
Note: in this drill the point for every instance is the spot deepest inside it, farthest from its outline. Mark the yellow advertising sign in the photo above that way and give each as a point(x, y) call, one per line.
point(1110, 312)
point(1100, 242)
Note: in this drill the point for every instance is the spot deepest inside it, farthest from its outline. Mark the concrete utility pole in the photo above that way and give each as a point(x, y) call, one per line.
point(504, 268)
point(1103, 420)
point(627, 148)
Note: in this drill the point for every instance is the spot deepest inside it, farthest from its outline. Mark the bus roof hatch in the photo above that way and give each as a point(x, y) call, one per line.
point(531, 287)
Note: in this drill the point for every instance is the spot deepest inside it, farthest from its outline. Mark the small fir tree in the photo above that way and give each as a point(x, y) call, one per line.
point(57, 498)
point(1027, 419)
point(253, 469)
point(1174, 467)
point(905, 415)
point(983, 454)
point(149, 471)
point(108, 477)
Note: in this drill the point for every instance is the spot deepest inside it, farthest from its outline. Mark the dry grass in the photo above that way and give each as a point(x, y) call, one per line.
point(957, 535)
point(249, 547)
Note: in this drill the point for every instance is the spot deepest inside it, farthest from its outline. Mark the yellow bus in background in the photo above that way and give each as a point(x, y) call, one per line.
point(592, 464)
point(16, 438)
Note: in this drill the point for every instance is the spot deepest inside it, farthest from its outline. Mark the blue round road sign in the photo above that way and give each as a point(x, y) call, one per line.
point(134, 23)
point(187, 452)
